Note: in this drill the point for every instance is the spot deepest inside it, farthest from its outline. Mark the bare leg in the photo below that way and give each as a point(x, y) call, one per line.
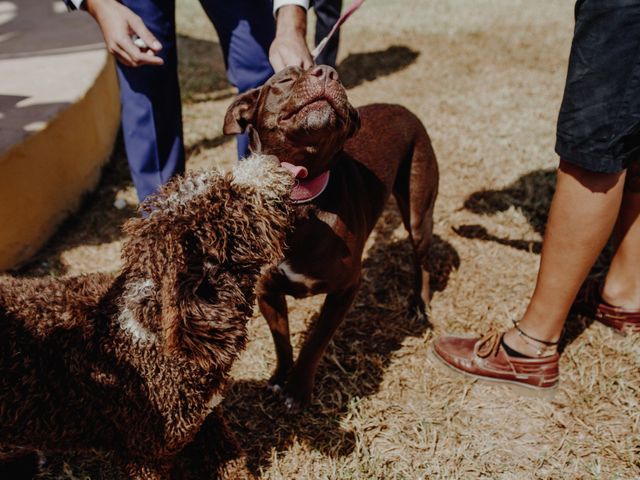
point(582, 216)
point(622, 286)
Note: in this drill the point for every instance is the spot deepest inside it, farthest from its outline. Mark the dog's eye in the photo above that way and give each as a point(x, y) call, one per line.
point(285, 80)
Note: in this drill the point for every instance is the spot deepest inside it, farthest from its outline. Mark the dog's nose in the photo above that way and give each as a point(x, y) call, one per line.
point(324, 72)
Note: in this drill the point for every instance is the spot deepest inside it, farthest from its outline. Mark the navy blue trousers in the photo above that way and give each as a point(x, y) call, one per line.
point(150, 95)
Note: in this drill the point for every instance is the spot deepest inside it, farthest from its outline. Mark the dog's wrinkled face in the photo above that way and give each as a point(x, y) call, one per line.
point(302, 117)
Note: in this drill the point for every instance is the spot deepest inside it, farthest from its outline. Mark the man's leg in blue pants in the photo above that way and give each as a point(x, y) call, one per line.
point(327, 14)
point(151, 112)
point(246, 29)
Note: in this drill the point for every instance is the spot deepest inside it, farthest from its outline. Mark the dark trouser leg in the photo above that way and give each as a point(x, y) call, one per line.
point(327, 14)
point(246, 30)
point(151, 112)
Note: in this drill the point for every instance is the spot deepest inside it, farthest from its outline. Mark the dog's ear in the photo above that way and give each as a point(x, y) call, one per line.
point(204, 240)
point(354, 118)
point(203, 309)
point(255, 145)
point(241, 112)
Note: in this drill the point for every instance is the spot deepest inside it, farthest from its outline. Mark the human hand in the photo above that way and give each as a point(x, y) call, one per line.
point(118, 25)
point(289, 46)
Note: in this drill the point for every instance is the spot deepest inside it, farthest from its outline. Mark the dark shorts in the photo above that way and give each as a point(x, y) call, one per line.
point(599, 121)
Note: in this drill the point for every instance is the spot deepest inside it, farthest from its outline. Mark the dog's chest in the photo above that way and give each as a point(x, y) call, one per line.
point(324, 253)
point(298, 284)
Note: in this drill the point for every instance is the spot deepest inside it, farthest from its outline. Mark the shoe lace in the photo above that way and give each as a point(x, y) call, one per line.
point(489, 344)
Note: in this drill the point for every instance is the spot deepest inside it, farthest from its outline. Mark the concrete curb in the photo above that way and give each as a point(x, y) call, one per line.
point(43, 178)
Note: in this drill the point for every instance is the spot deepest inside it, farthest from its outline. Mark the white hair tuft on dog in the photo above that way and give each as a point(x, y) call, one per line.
point(261, 172)
point(134, 294)
point(192, 186)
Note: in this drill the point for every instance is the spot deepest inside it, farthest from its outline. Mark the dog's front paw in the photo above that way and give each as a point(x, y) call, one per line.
point(295, 403)
point(277, 381)
point(297, 398)
point(274, 387)
point(418, 311)
point(292, 405)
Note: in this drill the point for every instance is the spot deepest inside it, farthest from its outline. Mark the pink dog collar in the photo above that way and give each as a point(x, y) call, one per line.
point(305, 191)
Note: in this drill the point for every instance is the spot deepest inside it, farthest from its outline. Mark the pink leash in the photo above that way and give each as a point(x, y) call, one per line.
point(343, 18)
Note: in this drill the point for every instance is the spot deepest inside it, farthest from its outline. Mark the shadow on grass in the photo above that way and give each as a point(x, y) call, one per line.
point(360, 67)
point(356, 361)
point(531, 194)
point(201, 70)
point(478, 232)
point(207, 144)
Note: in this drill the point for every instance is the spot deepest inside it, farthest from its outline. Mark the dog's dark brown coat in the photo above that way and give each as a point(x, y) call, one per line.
point(304, 118)
point(135, 364)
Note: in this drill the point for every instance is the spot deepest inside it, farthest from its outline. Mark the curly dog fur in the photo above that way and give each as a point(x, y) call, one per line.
point(135, 364)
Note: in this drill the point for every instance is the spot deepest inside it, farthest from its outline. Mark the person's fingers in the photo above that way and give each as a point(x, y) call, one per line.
point(289, 60)
point(137, 56)
point(288, 52)
point(307, 61)
point(277, 64)
point(139, 28)
point(126, 44)
point(300, 60)
point(122, 56)
point(304, 56)
point(150, 58)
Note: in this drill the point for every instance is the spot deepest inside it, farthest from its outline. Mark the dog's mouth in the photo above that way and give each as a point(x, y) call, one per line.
point(298, 171)
point(311, 106)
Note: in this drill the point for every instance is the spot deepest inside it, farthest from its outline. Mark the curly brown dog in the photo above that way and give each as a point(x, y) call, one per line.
point(135, 364)
point(346, 176)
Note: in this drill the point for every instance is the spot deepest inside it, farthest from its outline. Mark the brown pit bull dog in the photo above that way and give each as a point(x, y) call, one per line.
point(347, 162)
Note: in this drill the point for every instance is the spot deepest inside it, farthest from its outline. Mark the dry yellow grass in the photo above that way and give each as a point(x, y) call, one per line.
point(486, 78)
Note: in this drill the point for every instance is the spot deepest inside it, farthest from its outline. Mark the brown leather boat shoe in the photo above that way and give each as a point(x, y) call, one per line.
point(486, 359)
point(589, 303)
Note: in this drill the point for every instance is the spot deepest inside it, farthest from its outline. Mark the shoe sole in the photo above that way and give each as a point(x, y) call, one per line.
point(624, 332)
point(547, 393)
point(616, 330)
point(620, 332)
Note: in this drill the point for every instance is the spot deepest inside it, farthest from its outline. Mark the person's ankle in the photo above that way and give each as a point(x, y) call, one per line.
point(621, 294)
point(527, 345)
